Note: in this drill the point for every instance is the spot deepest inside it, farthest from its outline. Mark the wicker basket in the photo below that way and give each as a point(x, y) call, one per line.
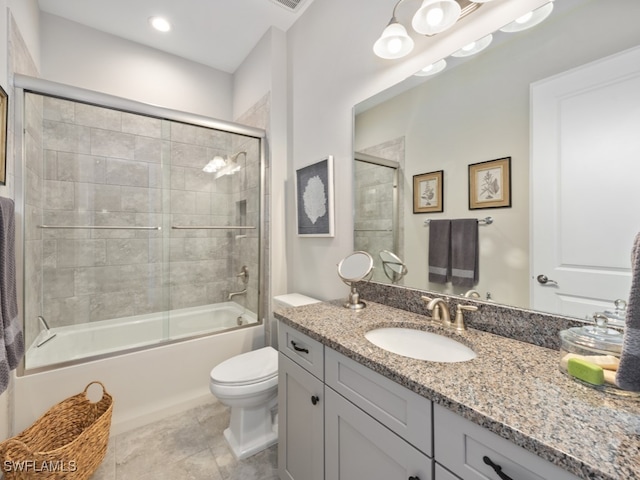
point(68, 442)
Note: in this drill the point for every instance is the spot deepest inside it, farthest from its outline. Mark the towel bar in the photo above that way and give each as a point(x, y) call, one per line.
point(211, 227)
point(100, 227)
point(481, 221)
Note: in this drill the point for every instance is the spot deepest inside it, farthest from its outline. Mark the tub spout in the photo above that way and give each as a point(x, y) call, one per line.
point(233, 294)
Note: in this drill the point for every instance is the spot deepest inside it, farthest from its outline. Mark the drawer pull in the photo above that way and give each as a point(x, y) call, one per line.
point(315, 399)
point(414, 478)
point(497, 468)
point(299, 349)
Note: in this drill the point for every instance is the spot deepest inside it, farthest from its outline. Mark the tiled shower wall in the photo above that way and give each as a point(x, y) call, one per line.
point(92, 166)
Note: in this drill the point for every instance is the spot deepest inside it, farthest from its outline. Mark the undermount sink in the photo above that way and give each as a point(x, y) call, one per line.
point(420, 345)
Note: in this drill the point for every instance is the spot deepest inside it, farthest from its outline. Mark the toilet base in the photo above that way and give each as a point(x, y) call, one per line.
point(250, 448)
point(251, 430)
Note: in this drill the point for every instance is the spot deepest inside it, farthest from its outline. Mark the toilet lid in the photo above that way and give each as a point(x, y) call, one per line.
point(251, 367)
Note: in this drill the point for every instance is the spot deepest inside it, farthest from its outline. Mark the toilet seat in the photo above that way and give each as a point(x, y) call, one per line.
point(248, 368)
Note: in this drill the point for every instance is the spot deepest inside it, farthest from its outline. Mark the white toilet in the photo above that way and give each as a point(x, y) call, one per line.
point(248, 383)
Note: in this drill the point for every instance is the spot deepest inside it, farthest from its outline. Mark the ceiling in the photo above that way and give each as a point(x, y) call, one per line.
point(217, 33)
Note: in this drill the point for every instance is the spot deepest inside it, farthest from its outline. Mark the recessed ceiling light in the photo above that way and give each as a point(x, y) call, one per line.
point(159, 23)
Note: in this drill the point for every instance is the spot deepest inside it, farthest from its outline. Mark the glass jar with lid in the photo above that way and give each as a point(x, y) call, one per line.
point(600, 346)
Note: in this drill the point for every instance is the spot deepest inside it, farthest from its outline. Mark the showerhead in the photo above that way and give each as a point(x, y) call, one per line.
point(232, 165)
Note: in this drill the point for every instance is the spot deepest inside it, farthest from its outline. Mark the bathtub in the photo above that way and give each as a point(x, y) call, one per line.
point(147, 382)
point(96, 339)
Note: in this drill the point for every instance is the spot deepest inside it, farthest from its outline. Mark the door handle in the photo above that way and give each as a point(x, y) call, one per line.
point(544, 280)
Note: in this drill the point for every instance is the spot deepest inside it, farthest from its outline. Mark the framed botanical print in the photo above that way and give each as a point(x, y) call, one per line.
point(490, 184)
point(428, 189)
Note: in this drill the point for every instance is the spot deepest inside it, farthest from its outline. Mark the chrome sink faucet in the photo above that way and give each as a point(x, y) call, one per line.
point(440, 309)
point(440, 313)
point(459, 324)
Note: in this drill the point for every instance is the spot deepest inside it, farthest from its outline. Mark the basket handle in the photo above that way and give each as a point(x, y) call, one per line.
point(86, 389)
point(13, 446)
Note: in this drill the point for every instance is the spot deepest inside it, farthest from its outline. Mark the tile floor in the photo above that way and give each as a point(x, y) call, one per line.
point(187, 446)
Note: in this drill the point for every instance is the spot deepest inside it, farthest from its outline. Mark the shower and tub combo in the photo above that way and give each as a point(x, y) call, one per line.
point(142, 262)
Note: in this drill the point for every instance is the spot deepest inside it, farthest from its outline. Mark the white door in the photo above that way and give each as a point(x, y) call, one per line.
point(585, 170)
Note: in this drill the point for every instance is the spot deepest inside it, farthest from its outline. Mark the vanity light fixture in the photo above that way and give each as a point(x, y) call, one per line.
point(433, 17)
point(432, 69)
point(394, 41)
point(474, 47)
point(160, 23)
point(529, 20)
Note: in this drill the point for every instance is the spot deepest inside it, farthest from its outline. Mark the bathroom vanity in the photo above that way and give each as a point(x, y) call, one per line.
point(349, 409)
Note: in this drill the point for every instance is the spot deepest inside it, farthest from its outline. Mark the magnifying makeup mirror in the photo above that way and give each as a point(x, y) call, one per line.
point(393, 267)
point(352, 269)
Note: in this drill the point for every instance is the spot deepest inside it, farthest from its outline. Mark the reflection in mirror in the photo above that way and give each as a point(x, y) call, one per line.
point(352, 269)
point(377, 210)
point(394, 268)
point(478, 110)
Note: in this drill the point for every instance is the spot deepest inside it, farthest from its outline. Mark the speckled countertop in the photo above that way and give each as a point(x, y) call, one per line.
point(513, 388)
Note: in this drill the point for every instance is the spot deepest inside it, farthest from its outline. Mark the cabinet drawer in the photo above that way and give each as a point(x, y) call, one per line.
point(302, 349)
point(461, 446)
point(399, 409)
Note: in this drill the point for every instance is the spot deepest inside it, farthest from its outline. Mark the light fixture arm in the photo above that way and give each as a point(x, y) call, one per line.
point(395, 8)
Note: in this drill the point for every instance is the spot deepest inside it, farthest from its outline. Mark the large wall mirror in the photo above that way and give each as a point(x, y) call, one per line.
point(479, 110)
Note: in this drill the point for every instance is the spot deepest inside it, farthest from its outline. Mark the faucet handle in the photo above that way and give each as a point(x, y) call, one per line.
point(458, 323)
point(435, 315)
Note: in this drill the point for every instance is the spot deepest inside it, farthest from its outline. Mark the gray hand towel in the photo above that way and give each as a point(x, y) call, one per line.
point(628, 376)
point(464, 252)
point(11, 336)
point(440, 251)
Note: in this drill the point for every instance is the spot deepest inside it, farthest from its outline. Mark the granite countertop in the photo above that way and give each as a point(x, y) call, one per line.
point(513, 388)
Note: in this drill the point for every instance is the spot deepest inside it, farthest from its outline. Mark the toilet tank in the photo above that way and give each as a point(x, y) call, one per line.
point(292, 300)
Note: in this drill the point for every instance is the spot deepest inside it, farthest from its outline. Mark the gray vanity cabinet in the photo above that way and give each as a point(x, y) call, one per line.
point(301, 407)
point(340, 420)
